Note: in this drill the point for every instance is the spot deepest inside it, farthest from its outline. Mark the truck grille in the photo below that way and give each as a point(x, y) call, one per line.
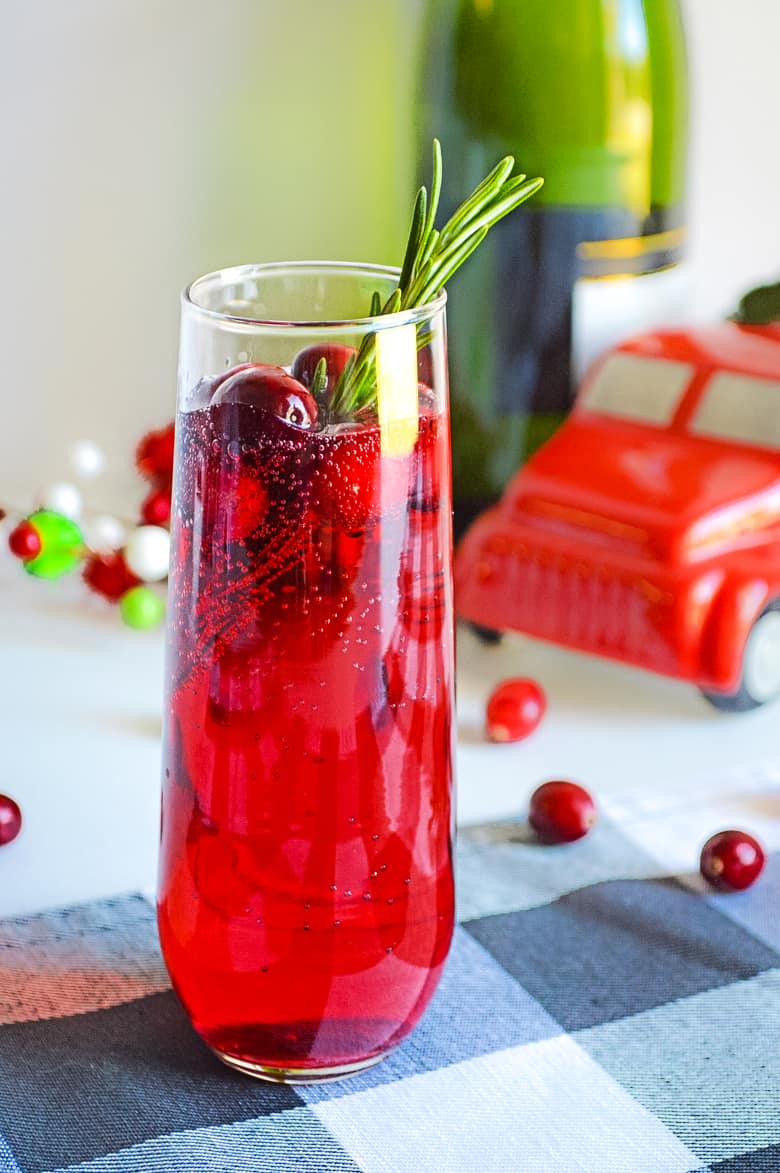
point(585, 605)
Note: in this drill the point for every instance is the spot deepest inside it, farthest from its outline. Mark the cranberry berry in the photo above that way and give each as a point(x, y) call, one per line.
point(561, 812)
point(336, 358)
point(514, 710)
point(731, 860)
point(271, 390)
point(10, 820)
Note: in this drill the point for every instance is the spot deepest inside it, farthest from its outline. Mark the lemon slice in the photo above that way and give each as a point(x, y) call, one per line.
point(396, 380)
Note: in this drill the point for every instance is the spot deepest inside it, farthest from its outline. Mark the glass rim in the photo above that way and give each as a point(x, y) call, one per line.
point(413, 314)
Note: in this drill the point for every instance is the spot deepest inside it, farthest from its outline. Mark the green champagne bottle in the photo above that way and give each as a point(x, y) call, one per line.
point(592, 95)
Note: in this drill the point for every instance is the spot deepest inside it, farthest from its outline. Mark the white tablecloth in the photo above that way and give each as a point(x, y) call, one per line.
point(81, 704)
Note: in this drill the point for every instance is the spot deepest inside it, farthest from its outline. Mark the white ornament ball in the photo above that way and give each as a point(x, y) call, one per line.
point(87, 460)
point(104, 533)
point(148, 551)
point(61, 497)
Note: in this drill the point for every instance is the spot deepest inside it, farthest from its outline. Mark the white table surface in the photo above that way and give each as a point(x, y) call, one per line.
point(81, 736)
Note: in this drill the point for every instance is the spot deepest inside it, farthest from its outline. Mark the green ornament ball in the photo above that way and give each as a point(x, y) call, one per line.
point(142, 608)
point(62, 545)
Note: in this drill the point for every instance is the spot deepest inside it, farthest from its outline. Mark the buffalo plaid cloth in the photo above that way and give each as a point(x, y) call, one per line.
point(601, 1011)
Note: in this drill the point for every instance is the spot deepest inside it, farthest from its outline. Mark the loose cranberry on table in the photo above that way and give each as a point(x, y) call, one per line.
point(10, 819)
point(561, 812)
point(731, 860)
point(271, 390)
point(514, 709)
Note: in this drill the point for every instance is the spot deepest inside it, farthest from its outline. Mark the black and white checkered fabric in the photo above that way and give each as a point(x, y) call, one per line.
point(601, 1012)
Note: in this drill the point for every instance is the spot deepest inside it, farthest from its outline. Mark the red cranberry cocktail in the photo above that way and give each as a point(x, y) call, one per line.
point(306, 895)
point(306, 892)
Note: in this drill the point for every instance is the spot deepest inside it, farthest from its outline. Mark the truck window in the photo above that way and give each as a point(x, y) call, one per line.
point(637, 388)
point(740, 407)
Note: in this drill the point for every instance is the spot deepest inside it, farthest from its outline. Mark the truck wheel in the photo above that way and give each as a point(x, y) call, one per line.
point(486, 635)
point(760, 681)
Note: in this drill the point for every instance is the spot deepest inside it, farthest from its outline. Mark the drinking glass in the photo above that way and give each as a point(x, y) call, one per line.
point(306, 888)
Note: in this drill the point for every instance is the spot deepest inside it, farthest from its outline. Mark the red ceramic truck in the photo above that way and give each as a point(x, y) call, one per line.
point(648, 528)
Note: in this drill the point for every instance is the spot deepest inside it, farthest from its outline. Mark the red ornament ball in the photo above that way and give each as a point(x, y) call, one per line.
point(154, 456)
point(514, 709)
point(731, 860)
point(10, 820)
point(24, 541)
point(109, 575)
point(561, 812)
point(156, 508)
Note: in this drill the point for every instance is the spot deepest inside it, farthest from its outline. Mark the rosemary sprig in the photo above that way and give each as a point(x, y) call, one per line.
point(432, 256)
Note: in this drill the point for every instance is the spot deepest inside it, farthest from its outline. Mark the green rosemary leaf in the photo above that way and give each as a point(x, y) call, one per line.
point(515, 183)
point(489, 186)
point(440, 276)
point(512, 194)
point(393, 303)
point(435, 264)
point(433, 206)
point(319, 379)
point(341, 388)
point(430, 259)
point(415, 232)
point(424, 337)
point(503, 205)
point(430, 245)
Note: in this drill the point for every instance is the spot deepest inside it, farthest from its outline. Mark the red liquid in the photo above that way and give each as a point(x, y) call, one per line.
point(306, 894)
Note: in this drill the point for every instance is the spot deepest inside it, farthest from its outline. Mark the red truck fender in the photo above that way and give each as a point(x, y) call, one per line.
point(735, 610)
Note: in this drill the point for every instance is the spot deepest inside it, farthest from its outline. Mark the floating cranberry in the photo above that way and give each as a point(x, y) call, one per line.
point(345, 488)
point(271, 390)
point(246, 507)
point(24, 541)
point(109, 575)
point(561, 812)
point(336, 358)
point(218, 380)
point(154, 455)
point(10, 820)
point(203, 391)
point(514, 709)
point(731, 860)
point(156, 508)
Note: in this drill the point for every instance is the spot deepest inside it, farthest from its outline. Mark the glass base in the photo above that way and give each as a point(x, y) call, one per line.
point(298, 1074)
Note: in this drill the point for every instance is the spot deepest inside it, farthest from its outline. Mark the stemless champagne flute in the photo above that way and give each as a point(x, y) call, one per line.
point(306, 888)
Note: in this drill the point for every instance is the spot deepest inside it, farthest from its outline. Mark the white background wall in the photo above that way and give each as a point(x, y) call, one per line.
point(734, 217)
point(144, 142)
